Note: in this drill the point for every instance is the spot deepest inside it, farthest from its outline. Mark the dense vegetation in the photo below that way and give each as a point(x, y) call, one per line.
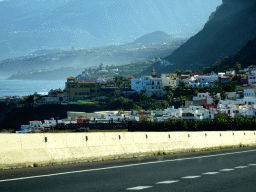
point(238, 60)
point(221, 122)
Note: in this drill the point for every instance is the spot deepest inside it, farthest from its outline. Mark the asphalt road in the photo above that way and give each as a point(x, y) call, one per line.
point(224, 170)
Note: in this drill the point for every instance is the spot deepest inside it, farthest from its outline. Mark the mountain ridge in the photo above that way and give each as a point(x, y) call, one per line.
point(228, 30)
point(84, 24)
point(158, 37)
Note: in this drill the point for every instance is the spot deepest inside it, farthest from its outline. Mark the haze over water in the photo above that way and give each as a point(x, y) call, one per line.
point(26, 87)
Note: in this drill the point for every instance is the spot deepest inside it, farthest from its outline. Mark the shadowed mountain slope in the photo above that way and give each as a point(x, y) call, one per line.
point(228, 30)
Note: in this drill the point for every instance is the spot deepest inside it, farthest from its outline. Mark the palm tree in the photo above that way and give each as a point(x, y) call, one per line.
point(181, 99)
point(223, 95)
point(116, 78)
point(169, 96)
point(167, 88)
point(164, 104)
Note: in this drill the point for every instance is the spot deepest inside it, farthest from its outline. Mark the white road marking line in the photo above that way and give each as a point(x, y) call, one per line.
point(227, 169)
point(210, 173)
point(252, 164)
point(168, 182)
point(139, 188)
point(129, 165)
point(240, 167)
point(191, 177)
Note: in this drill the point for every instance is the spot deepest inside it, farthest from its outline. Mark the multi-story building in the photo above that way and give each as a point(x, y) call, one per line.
point(170, 80)
point(151, 84)
point(200, 83)
point(155, 87)
point(252, 78)
point(79, 90)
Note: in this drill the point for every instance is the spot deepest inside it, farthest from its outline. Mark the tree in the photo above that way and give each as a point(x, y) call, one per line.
point(118, 80)
point(121, 78)
point(217, 87)
point(178, 72)
point(167, 88)
point(216, 65)
point(198, 71)
point(223, 95)
point(29, 99)
point(230, 86)
point(169, 96)
point(226, 68)
point(120, 111)
point(182, 85)
point(138, 108)
point(164, 104)
point(216, 99)
point(237, 66)
point(181, 99)
point(221, 117)
point(101, 66)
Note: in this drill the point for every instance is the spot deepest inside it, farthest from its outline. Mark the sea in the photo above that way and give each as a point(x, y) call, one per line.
point(28, 87)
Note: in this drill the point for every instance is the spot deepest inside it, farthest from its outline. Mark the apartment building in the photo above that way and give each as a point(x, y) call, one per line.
point(151, 84)
point(170, 80)
point(79, 90)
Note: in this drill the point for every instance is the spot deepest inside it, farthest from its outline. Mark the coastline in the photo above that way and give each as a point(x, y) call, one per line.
point(28, 87)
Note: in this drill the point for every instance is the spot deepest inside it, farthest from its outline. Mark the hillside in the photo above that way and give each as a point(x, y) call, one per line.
point(246, 57)
point(53, 64)
point(228, 30)
point(158, 37)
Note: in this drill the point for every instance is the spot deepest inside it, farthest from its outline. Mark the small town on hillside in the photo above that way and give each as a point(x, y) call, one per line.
point(239, 101)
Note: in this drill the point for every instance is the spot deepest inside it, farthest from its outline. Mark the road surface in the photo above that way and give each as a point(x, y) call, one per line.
point(224, 170)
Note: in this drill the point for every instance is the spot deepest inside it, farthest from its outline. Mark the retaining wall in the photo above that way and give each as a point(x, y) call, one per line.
point(22, 150)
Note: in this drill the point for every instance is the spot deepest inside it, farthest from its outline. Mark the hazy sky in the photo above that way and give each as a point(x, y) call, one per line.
point(113, 21)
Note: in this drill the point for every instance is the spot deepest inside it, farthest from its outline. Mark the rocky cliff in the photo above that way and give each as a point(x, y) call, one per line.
point(227, 31)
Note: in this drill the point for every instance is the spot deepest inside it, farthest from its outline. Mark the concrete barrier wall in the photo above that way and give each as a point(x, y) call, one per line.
point(22, 150)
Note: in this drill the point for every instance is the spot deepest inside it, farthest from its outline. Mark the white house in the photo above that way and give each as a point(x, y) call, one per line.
point(193, 112)
point(51, 122)
point(149, 84)
point(252, 78)
point(249, 92)
point(170, 80)
point(35, 123)
point(155, 87)
point(199, 83)
point(114, 70)
point(233, 72)
point(140, 84)
point(165, 63)
point(207, 78)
